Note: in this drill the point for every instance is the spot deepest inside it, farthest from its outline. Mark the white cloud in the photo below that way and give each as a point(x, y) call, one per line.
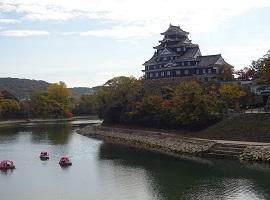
point(9, 21)
point(125, 31)
point(138, 18)
point(23, 33)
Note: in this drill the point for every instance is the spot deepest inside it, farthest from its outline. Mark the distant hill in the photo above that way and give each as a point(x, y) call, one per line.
point(82, 90)
point(23, 88)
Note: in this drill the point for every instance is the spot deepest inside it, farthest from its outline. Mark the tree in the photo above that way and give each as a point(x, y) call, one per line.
point(258, 70)
point(9, 108)
point(246, 74)
point(266, 67)
point(9, 105)
point(52, 103)
point(60, 93)
point(226, 72)
point(86, 105)
point(117, 97)
point(232, 95)
point(151, 110)
point(192, 105)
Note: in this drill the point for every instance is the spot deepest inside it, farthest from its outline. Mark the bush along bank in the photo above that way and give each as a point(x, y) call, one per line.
point(168, 144)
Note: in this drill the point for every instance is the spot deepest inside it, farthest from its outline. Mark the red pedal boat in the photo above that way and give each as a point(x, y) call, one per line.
point(65, 161)
point(44, 155)
point(7, 164)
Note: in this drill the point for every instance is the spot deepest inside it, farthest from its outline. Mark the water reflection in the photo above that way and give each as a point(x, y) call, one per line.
point(51, 133)
point(191, 179)
point(104, 171)
point(6, 171)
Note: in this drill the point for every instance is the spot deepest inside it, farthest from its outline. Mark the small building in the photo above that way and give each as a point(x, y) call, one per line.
point(177, 57)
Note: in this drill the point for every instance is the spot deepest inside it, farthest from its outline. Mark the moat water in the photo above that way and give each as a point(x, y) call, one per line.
point(102, 171)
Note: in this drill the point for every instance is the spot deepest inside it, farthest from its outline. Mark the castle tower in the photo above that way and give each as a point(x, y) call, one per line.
point(176, 56)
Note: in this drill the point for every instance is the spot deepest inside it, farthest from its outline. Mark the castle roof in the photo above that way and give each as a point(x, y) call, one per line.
point(174, 30)
point(190, 53)
point(205, 61)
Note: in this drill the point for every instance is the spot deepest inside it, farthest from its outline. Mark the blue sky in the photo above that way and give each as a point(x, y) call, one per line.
point(86, 42)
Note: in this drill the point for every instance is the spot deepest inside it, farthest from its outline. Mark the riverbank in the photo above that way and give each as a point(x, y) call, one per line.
point(20, 121)
point(176, 145)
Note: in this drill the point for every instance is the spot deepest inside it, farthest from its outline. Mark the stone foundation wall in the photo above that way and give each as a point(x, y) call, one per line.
point(148, 139)
point(168, 144)
point(256, 153)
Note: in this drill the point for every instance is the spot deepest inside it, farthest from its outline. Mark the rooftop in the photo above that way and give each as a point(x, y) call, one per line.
point(174, 30)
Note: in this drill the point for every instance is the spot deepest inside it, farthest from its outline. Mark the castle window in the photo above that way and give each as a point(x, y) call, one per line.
point(168, 73)
point(188, 63)
point(164, 58)
point(156, 74)
point(197, 71)
point(151, 75)
point(162, 74)
point(178, 49)
point(209, 71)
point(186, 71)
point(203, 71)
point(178, 72)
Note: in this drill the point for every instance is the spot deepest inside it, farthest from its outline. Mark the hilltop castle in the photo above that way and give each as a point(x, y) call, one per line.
point(177, 57)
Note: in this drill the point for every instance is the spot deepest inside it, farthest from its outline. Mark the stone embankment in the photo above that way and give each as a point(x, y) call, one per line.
point(256, 153)
point(175, 145)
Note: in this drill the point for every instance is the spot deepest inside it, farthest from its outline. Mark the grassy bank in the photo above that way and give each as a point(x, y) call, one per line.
point(249, 127)
point(174, 145)
point(244, 127)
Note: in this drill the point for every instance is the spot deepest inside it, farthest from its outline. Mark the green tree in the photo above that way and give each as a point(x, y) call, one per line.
point(117, 97)
point(226, 72)
point(86, 105)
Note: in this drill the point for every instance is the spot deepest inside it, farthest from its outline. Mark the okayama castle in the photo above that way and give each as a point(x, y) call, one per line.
point(177, 56)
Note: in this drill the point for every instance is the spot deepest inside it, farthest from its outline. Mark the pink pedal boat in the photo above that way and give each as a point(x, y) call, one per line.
point(65, 161)
point(44, 155)
point(6, 164)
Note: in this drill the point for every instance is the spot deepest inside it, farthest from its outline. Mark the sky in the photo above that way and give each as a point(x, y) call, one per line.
point(87, 42)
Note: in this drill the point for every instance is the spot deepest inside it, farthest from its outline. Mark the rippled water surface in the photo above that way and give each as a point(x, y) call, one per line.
point(102, 171)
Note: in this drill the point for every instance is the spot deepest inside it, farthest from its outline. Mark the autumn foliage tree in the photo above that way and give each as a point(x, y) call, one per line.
point(226, 72)
point(9, 105)
point(258, 70)
point(54, 102)
point(232, 94)
point(193, 104)
point(190, 104)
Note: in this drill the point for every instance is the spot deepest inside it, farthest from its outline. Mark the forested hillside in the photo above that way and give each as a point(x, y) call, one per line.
point(23, 88)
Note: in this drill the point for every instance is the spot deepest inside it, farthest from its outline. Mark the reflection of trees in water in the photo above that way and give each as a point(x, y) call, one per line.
point(57, 133)
point(9, 133)
point(184, 179)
